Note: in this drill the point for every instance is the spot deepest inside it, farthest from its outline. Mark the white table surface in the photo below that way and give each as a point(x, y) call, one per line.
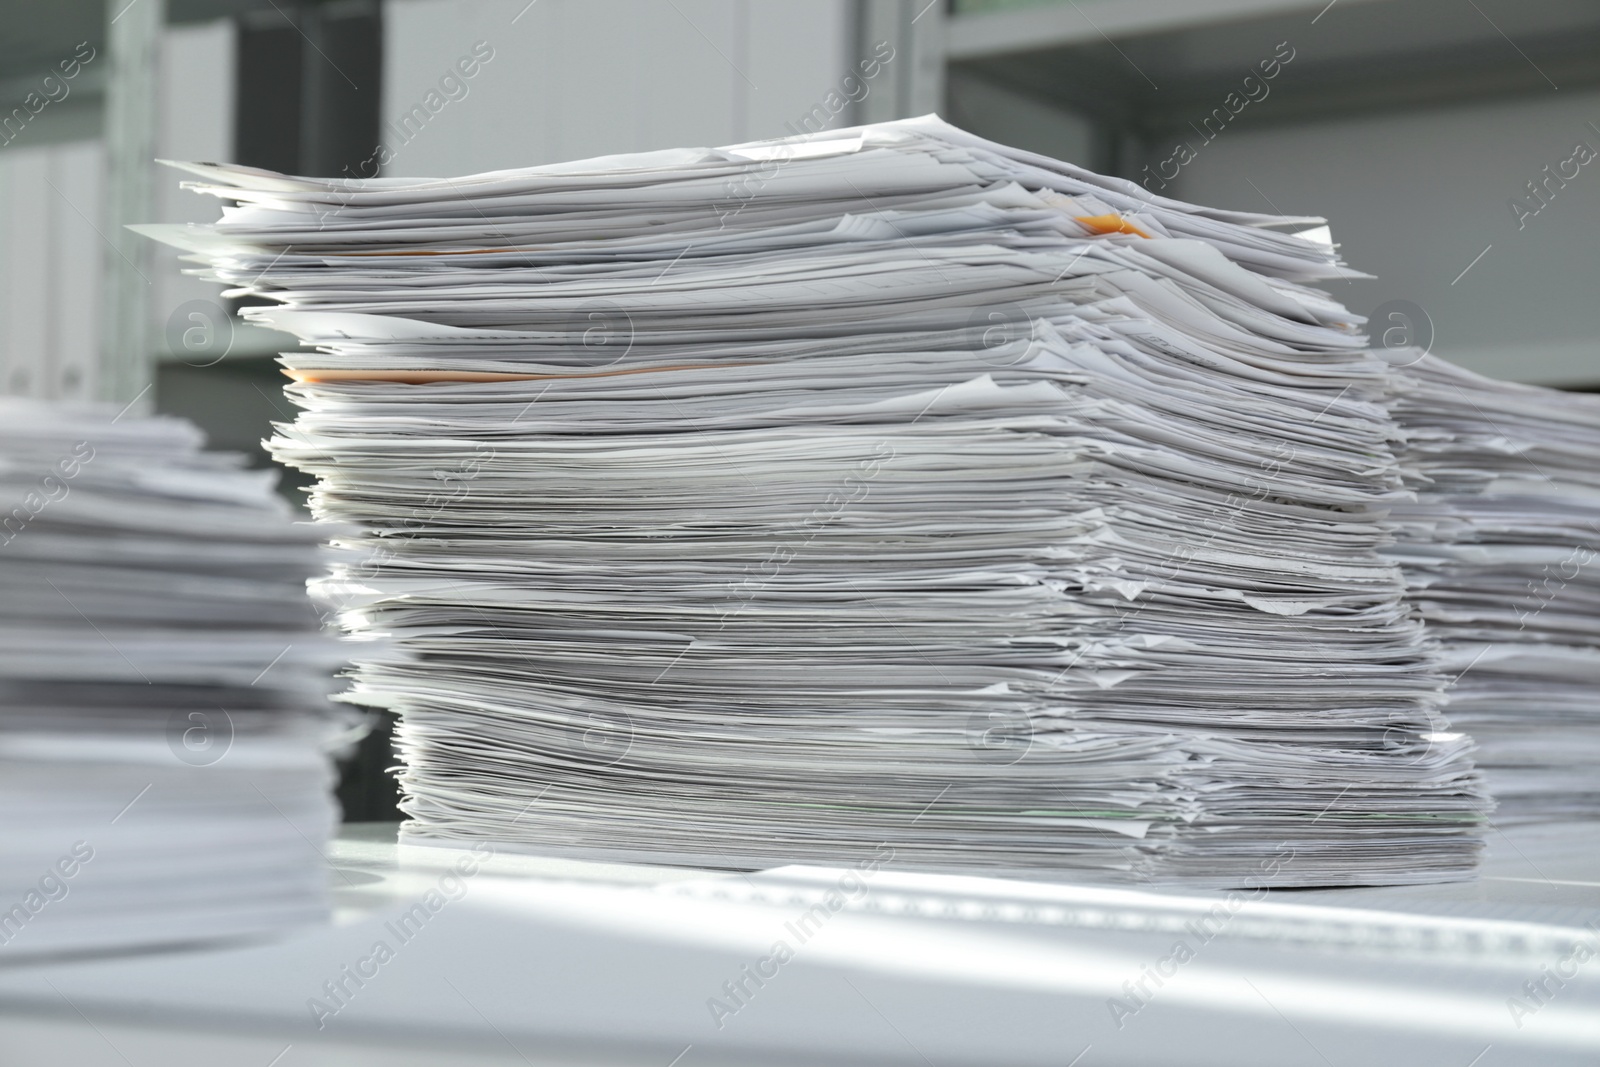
point(545, 961)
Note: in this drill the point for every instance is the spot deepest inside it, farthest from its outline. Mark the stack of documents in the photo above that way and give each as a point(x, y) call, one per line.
point(885, 493)
point(164, 720)
point(1499, 551)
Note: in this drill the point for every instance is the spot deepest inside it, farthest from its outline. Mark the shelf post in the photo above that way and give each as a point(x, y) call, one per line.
point(133, 42)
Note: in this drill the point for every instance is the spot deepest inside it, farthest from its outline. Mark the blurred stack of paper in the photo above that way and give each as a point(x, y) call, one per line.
point(163, 689)
point(888, 490)
point(1499, 553)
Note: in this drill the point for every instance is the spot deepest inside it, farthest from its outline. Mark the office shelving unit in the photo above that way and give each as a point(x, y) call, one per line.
point(1411, 124)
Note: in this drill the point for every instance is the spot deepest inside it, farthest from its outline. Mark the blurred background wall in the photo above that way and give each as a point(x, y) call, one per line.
point(1448, 141)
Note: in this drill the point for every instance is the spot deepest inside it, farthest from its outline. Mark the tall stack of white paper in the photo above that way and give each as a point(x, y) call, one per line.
point(1499, 551)
point(163, 689)
point(887, 490)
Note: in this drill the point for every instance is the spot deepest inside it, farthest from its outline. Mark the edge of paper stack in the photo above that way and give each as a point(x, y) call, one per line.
point(883, 492)
point(165, 728)
point(1499, 551)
